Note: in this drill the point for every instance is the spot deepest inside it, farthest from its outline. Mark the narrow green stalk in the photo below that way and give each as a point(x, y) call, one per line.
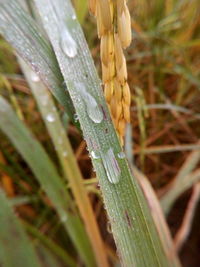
point(67, 159)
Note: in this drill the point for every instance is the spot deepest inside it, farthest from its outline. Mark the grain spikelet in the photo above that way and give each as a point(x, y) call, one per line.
point(114, 29)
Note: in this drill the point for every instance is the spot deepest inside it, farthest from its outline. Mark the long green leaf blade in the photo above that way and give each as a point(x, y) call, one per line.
point(15, 247)
point(67, 160)
point(132, 225)
point(45, 172)
point(22, 32)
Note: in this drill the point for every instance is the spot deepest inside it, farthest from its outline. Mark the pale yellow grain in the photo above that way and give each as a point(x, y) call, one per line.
point(108, 91)
point(124, 27)
point(105, 13)
point(127, 94)
point(92, 6)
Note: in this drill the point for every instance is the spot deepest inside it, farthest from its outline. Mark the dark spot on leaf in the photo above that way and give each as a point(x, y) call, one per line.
point(104, 112)
point(128, 219)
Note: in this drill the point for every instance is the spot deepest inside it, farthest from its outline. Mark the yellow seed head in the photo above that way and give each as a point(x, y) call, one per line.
point(114, 71)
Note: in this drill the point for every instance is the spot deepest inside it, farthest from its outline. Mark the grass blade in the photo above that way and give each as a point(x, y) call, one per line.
point(158, 217)
point(46, 174)
point(132, 225)
point(185, 179)
point(67, 160)
point(15, 246)
point(40, 56)
point(50, 245)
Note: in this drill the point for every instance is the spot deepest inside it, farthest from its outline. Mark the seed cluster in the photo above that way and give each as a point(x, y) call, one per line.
point(114, 29)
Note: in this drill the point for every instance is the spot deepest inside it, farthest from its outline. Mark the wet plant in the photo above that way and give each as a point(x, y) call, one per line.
point(55, 60)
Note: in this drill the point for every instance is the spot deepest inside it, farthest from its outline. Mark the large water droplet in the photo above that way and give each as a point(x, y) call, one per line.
point(121, 155)
point(50, 117)
point(94, 155)
point(68, 44)
point(34, 77)
point(111, 166)
point(93, 109)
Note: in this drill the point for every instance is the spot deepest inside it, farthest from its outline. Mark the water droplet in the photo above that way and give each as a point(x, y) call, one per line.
point(34, 77)
point(50, 117)
point(93, 109)
point(111, 166)
point(68, 44)
point(94, 155)
point(64, 153)
point(121, 155)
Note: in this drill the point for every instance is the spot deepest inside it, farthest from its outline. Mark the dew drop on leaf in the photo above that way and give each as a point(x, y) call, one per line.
point(34, 77)
point(50, 117)
point(121, 155)
point(93, 109)
point(94, 155)
point(111, 166)
point(68, 44)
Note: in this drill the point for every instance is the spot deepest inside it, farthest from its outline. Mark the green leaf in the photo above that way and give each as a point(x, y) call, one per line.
point(22, 32)
point(81, 9)
point(15, 247)
point(67, 160)
point(133, 228)
point(45, 172)
point(50, 245)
